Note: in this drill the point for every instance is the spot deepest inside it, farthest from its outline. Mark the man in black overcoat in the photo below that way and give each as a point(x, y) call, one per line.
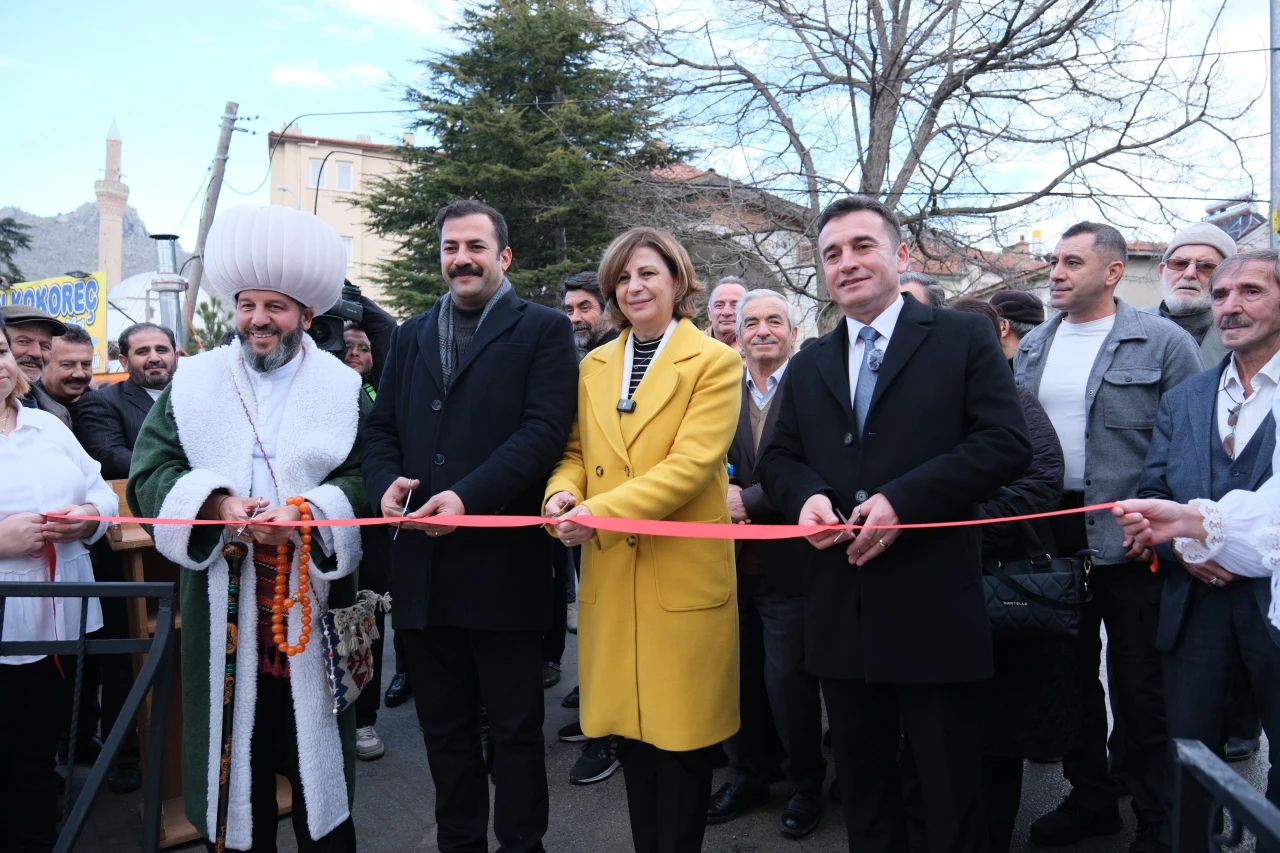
point(902, 414)
point(475, 404)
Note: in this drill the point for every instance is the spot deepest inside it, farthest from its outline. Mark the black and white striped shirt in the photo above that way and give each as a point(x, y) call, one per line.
point(643, 353)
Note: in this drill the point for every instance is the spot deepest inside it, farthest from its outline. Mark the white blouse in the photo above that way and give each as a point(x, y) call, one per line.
point(43, 467)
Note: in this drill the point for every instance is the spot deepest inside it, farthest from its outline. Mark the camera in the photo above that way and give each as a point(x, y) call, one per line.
point(326, 328)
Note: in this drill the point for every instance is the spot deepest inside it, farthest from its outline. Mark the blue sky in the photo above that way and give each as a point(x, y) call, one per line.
point(164, 70)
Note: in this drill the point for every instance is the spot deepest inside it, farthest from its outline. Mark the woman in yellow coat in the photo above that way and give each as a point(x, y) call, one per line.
point(657, 616)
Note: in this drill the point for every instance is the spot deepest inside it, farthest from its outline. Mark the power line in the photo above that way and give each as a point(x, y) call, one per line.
point(194, 196)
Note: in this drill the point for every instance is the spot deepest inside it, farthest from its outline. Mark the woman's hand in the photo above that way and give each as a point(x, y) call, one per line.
point(571, 534)
point(21, 533)
point(558, 503)
point(69, 530)
point(264, 535)
point(1154, 522)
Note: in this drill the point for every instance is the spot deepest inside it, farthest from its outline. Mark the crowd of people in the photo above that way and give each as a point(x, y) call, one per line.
point(693, 653)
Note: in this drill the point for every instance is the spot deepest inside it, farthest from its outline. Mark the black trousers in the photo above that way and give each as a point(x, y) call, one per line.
point(943, 723)
point(274, 749)
point(1126, 598)
point(1224, 629)
point(667, 796)
point(1001, 795)
point(33, 712)
point(781, 703)
point(456, 671)
point(554, 640)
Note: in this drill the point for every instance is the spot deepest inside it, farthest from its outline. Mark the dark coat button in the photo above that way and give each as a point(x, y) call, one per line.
point(848, 439)
point(436, 405)
point(439, 458)
point(631, 540)
point(599, 471)
point(861, 496)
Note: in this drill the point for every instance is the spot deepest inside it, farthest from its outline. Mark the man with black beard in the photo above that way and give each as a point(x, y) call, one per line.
point(584, 305)
point(266, 429)
point(107, 424)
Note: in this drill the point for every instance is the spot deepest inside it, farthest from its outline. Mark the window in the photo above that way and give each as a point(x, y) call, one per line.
point(347, 244)
point(317, 174)
point(345, 171)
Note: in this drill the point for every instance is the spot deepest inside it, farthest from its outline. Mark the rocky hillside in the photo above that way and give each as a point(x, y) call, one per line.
point(69, 241)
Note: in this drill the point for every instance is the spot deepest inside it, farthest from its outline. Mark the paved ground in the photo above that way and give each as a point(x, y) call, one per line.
point(395, 800)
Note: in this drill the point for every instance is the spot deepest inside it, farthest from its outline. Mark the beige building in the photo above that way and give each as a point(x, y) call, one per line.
point(336, 170)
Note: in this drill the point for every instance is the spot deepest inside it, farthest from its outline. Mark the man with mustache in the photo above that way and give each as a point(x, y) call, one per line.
point(474, 408)
point(243, 431)
point(1216, 433)
point(107, 424)
point(33, 332)
point(1189, 260)
point(584, 305)
point(781, 710)
point(69, 371)
point(1099, 368)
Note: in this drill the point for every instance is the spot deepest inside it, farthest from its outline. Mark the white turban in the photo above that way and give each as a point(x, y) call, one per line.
point(275, 248)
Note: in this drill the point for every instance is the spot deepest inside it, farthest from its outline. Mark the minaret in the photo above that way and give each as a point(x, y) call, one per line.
point(112, 196)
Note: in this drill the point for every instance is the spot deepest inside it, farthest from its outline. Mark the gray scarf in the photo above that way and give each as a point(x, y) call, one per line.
point(445, 329)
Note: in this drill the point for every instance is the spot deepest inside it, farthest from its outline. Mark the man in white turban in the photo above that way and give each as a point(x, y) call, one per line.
point(241, 430)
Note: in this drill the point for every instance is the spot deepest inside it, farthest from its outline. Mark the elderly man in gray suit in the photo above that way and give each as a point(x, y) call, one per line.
point(1216, 433)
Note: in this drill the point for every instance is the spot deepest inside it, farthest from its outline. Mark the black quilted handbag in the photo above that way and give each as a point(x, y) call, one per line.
point(1039, 594)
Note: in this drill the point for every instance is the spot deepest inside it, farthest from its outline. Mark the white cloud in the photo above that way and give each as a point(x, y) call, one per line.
point(300, 75)
point(409, 13)
point(356, 34)
point(311, 75)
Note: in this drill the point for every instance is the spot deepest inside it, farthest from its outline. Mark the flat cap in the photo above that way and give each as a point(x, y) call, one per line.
point(17, 315)
point(1018, 306)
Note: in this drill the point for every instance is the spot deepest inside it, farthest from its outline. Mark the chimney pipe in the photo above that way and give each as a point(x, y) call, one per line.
point(169, 286)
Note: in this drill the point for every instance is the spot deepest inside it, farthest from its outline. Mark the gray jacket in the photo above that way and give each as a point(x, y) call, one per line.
point(1141, 359)
point(38, 398)
point(1211, 349)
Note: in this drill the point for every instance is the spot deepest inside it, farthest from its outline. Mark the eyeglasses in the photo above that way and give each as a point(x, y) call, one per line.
point(1233, 417)
point(1202, 267)
point(361, 347)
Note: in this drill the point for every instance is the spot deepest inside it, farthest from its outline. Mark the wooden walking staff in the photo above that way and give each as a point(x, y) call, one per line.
point(234, 553)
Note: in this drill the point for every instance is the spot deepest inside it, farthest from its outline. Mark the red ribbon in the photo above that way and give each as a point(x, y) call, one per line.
point(638, 526)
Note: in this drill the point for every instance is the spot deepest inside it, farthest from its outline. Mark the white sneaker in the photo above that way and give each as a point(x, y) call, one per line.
point(368, 745)
point(571, 618)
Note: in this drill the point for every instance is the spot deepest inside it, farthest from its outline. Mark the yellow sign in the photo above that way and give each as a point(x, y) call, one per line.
point(82, 301)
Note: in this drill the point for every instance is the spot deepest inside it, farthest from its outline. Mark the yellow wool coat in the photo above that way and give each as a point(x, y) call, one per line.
point(657, 616)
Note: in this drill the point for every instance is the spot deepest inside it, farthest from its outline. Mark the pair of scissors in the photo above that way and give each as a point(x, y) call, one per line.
point(857, 519)
point(403, 512)
point(257, 508)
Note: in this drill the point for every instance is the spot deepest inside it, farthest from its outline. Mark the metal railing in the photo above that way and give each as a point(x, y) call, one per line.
point(1203, 786)
point(154, 675)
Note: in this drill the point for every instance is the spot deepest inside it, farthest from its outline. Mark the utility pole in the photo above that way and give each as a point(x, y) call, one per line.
point(1274, 213)
point(210, 204)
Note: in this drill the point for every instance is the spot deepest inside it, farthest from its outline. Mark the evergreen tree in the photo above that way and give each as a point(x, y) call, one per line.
point(13, 236)
point(539, 115)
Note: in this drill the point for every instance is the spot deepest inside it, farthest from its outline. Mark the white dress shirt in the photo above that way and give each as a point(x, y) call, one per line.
point(270, 393)
point(1253, 408)
point(762, 397)
point(46, 468)
point(883, 325)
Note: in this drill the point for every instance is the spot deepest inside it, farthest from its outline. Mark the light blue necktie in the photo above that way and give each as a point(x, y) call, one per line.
point(866, 387)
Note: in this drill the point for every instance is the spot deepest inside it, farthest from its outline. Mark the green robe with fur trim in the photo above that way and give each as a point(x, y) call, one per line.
point(161, 463)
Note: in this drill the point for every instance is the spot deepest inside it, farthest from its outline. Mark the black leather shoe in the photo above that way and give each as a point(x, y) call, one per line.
point(1240, 749)
point(124, 778)
point(1070, 822)
point(732, 802)
point(486, 751)
point(801, 814)
point(571, 700)
point(1147, 839)
point(550, 674)
point(399, 691)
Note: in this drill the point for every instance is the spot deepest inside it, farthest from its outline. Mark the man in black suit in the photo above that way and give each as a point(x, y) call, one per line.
point(1216, 433)
point(476, 401)
point(107, 423)
point(109, 420)
point(781, 707)
point(901, 415)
